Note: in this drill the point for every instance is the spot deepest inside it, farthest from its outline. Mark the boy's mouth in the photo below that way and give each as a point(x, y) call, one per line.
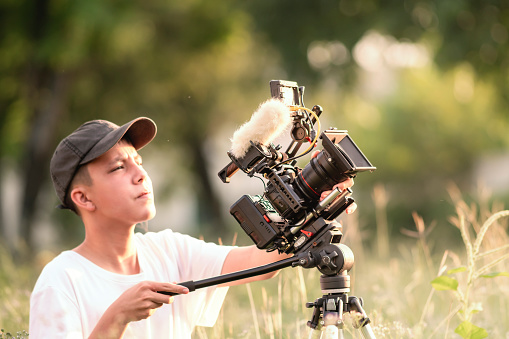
point(144, 194)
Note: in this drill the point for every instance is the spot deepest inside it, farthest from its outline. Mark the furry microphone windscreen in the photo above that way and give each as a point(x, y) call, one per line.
point(270, 119)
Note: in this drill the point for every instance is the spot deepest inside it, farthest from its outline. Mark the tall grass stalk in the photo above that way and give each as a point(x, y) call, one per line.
point(474, 235)
point(381, 199)
point(473, 255)
point(430, 296)
point(253, 311)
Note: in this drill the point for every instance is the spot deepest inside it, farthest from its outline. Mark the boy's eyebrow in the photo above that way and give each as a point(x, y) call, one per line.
point(121, 158)
point(116, 159)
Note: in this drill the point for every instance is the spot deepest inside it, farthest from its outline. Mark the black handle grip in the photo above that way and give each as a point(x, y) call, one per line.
point(228, 171)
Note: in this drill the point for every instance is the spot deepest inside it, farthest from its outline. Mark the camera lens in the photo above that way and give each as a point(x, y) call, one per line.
point(319, 175)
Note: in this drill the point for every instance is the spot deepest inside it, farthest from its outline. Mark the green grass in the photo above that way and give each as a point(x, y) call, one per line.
point(16, 283)
point(470, 289)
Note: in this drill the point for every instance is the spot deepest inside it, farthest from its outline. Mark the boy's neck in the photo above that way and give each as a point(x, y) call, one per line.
point(110, 249)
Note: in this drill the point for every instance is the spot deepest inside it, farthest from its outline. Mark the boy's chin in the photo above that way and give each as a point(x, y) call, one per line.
point(152, 214)
point(143, 224)
point(149, 215)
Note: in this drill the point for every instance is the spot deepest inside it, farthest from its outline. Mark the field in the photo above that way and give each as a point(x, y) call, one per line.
point(409, 288)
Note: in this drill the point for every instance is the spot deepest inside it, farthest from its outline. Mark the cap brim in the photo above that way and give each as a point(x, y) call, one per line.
point(140, 132)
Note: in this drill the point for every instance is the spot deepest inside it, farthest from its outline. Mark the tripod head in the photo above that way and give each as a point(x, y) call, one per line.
point(326, 253)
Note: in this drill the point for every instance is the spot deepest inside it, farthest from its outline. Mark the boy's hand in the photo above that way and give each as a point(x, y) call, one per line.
point(141, 301)
point(136, 303)
point(343, 185)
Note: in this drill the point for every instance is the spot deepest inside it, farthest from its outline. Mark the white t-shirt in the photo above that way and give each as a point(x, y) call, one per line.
point(72, 293)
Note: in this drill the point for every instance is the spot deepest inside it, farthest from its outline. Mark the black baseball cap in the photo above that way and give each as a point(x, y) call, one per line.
point(90, 141)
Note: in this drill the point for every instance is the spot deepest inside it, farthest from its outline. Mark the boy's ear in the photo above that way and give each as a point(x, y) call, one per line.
point(80, 198)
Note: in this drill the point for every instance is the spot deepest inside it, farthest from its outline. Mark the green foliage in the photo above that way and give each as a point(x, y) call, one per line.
point(468, 330)
point(472, 272)
point(196, 66)
point(8, 335)
point(495, 274)
point(431, 124)
point(16, 281)
point(428, 135)
point(457, 31)
point(457, 270)
point(444, 283)
point(186, 65)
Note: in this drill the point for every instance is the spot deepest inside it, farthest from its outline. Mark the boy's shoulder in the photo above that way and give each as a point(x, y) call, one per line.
point(58, 272)
point(61, 262)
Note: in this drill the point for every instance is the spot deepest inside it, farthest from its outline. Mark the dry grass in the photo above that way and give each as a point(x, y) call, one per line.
point(394, 279)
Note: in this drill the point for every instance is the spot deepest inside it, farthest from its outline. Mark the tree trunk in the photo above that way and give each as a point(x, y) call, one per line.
point(208, 202)
point(52, 88)
point(3, 119)
point(46, 91)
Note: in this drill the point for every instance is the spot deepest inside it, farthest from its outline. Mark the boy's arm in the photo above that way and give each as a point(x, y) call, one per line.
point(242, 258)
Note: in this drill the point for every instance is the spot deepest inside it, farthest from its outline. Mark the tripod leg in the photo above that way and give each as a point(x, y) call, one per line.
point(363, 323)
point(332, 332)
point(326, 332)
point(315, 333)
point(367, 332)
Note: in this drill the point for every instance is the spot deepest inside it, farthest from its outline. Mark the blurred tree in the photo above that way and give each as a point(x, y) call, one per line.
point(421, 126)
point(472, 31)
point(194, 64)
point(67, 62)
point(31, 97)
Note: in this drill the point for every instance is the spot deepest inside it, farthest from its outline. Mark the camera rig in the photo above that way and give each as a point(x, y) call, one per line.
point(289, 216)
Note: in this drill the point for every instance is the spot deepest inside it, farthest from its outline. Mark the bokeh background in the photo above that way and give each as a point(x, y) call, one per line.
point(421, 86)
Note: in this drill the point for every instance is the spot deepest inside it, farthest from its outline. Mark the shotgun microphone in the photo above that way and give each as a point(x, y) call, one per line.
point(270, 119)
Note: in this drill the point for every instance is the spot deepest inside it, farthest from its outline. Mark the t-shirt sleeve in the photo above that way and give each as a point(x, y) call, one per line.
point(53, 315)
point(199, 260)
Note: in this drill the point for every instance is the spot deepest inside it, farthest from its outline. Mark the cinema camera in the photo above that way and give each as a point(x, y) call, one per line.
point(289, 216)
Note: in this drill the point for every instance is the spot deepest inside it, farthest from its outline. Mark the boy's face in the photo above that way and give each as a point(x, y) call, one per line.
point(121, 189)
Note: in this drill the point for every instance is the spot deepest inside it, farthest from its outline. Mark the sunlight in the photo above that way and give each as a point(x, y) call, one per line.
point(321, 54)
point(375, 51)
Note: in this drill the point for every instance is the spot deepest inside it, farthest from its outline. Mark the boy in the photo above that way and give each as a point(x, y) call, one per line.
point(107, 286)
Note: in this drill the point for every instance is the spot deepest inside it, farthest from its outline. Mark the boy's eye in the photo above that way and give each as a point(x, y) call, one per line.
point(117, 168)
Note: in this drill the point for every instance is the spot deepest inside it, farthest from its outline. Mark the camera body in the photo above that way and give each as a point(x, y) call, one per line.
point(289, 216)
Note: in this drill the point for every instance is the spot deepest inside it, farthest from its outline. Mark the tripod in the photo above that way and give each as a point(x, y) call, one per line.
point(333, 260)
point(327, 319)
